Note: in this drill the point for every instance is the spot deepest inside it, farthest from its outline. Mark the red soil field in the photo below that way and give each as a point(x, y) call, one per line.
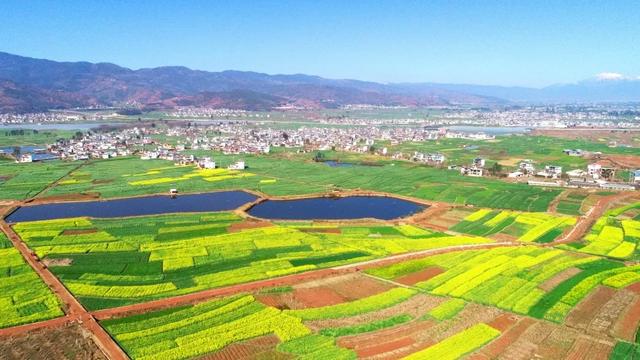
point(419, 276)
point(508, 337)
point(247, 224)
point(317, 297)
point(580, 317)
point(628, 322)
point(250, 349)
point(385, 347)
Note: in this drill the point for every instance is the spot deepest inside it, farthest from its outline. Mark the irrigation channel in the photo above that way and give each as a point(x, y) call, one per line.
point(315, 208)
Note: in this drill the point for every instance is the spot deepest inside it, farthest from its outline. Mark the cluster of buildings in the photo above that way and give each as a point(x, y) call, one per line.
point(544, 116)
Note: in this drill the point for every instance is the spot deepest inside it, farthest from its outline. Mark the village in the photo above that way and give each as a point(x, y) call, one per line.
point(241, 137)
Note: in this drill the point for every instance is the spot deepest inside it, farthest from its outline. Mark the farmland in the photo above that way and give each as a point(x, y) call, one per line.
point(539, 282)
point(24, 297)
point(366, 318)
point(274, 176)
point(112, 262)
point(21, 181)
point(615, 234)
point(524, 227)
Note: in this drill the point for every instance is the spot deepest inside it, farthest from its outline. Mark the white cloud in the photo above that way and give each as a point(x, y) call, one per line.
point(610, 76)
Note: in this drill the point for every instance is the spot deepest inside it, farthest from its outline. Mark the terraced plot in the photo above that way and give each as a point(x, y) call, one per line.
point(24, 298)
point(525, 227)
point(112, 262)
point(616, 234)
point(540, 282)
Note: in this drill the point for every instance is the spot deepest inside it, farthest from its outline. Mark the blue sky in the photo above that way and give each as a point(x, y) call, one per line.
point(530, 43)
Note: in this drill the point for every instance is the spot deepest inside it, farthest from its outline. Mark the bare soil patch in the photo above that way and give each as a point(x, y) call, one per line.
point(57, 262)
point(629, 161)
point(384, 347)
point(580, 317)
point(102, 181)
point(504, 322)
point(248, 224)
point(419, 276)
point(317, 297)
point(627, 324)
point(605, 319)
point(79, 231)
point(557, 279)
point(67, 342)
point(508, 337)
point(67, 197)
point(261, 347)
point(322, 230)
point(504, 237)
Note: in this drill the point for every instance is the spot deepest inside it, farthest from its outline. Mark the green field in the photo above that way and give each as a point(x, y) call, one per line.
point(24, 298)
point(121, 261)
point(21, 181)
point(279, 175)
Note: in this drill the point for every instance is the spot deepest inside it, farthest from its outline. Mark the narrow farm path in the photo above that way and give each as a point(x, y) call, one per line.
point(586, 221)
point(73, 309)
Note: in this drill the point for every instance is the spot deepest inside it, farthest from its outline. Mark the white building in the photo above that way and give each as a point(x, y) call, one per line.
point(527, 167)
point(636, 176)
point(471, 171)
point(478, 162)
point(238, 165)
point(207, 163)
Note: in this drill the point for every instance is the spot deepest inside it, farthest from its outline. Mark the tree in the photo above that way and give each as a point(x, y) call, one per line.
point(496, 168)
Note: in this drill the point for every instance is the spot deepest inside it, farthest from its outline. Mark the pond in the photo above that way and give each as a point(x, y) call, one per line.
point(147, 205)
point(333, 163)
point(351, 207)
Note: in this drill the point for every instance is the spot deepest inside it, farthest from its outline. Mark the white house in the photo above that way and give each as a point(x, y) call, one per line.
point(527, 167)
point(478, 162)
point(238, 165)
point(207, 163)
point(471, 171)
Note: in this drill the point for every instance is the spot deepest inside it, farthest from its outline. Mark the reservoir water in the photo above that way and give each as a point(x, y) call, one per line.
point(147, 205)
point(351, 207)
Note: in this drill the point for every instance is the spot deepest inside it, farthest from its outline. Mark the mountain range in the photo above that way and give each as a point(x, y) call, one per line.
point(28, 85)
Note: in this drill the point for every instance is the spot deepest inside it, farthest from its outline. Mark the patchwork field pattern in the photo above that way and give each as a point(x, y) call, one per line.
point(112, 262)
point(540, 282)
point(384, 323)
point(188, 332)
point(616, 234)
point(24, 298)
point(525, 227)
